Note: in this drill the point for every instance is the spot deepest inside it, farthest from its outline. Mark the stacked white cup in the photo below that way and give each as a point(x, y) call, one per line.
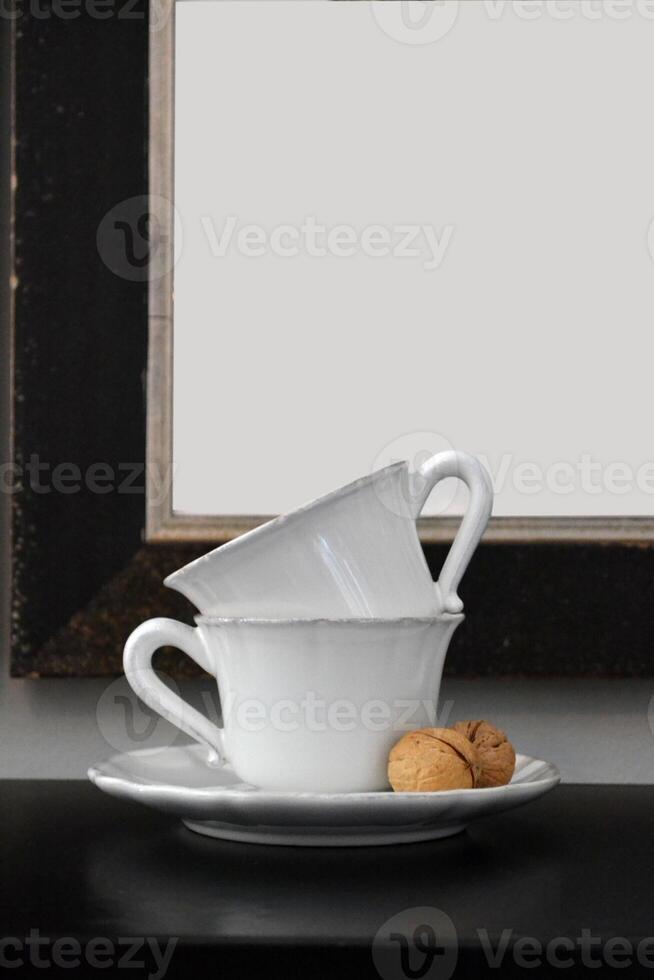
point(324, 631)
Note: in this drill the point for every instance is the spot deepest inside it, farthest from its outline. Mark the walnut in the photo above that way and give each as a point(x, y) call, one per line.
point(495, 752)
point(432, 759)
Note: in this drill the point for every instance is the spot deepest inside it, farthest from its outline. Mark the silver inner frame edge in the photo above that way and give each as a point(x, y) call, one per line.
point(162, 523)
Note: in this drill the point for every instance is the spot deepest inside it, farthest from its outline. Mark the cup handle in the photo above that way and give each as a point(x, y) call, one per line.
point(476, 477)
point(137, 663)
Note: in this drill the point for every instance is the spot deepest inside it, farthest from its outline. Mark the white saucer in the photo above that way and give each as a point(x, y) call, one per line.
point(213, 801)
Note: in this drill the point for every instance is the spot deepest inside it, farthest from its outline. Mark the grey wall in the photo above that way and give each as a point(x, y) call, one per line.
point(593, 730)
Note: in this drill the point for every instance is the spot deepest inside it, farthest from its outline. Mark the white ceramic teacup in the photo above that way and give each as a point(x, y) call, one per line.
point(308, 705)
point(354, 553)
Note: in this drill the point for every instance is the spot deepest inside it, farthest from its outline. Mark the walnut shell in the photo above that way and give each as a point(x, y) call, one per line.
point(433, 759)
point(495, 752)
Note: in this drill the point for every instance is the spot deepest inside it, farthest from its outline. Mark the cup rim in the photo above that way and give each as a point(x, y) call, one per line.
point(171, 580)
point(402, 621)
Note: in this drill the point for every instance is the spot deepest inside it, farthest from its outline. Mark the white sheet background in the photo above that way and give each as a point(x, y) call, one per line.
point(531, 343)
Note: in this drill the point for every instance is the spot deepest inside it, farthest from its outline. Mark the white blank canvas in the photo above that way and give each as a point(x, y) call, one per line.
point(522, 328)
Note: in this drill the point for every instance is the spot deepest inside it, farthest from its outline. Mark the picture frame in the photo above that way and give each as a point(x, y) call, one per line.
point(91, 375)
point(163, 523)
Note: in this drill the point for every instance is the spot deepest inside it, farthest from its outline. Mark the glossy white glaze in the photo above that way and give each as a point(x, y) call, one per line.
point(312, 705)
point(354, 552)
point(213, 801)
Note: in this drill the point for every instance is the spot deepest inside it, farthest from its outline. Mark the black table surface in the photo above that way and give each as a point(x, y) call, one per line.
point(574, 870)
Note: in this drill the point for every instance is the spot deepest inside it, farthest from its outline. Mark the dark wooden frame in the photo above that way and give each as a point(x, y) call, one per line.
point(82, 574)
